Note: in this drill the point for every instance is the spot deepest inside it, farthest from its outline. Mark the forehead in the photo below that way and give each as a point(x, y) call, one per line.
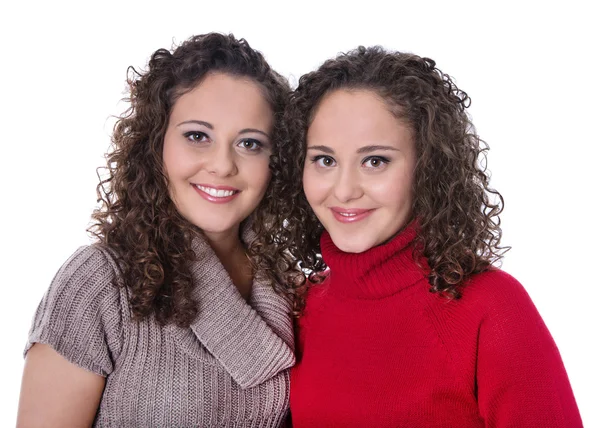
point(348, 118)
point(225, 100)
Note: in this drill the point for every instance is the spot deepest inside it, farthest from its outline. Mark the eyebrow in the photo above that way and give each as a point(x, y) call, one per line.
point(369, 149)
point(197, 122)
point(365, 149)
point(246, 130)
point(322, 149)
point(209, 126)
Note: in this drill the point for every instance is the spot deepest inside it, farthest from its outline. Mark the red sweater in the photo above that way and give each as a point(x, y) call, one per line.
point(377, 349)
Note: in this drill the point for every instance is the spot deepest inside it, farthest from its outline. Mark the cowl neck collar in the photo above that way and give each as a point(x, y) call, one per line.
point(252, 340)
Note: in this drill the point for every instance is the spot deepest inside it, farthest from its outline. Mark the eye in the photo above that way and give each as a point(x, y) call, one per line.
point(196, 136)
point(250, 144)
point(375, 162)
point(323, 161)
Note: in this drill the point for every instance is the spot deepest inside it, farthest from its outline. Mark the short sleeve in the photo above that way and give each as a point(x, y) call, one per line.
point(80, 314)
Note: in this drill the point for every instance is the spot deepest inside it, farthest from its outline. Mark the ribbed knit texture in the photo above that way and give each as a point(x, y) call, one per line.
point(377, 349)
point(229, 369)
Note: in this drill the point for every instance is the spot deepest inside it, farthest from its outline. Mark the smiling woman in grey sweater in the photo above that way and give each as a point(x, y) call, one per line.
point(172, 318)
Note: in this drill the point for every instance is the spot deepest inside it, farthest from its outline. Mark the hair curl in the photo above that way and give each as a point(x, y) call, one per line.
point(136, 217)
point(456, 208)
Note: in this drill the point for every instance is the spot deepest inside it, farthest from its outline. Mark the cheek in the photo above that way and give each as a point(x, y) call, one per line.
point(175, 161)
point(394, 190)
point(312, 185)
point(318, 187)
point(167, 157)
point(258, 173)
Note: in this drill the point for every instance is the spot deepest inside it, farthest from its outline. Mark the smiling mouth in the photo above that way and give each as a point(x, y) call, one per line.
point(217, 195)
point(350, 215)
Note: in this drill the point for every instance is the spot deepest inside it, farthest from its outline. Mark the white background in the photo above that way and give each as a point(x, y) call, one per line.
point(532, 70)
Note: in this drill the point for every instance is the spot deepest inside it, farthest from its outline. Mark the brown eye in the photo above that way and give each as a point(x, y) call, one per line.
point(250, 144)
point(323, 161)
point(375, 162)
point(196, 136)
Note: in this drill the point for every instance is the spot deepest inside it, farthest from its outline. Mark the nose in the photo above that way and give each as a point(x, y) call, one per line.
point(221, 161)
point(348, 185)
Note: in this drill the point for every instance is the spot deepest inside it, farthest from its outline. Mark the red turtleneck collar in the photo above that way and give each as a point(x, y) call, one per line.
point(378, 272)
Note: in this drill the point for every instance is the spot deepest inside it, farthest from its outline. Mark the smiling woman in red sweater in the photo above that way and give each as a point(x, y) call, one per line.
point(411, 324)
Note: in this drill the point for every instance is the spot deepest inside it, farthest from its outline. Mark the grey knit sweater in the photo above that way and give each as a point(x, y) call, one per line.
point(229, 369)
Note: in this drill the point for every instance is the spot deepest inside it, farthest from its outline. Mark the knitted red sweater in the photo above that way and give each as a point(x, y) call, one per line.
point(377, 349)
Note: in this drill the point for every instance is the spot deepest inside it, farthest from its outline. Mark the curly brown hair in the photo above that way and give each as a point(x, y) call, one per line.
point(456, 208)
point(137, 218)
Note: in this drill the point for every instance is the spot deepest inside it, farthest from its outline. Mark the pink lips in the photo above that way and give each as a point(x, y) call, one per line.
point(350, 215)
point(204, 189)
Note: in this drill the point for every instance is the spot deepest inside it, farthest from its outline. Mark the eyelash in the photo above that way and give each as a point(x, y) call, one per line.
point(190, 134)
point(197, 137)
point(381, 159)
point(317, 158)
point(259, 145)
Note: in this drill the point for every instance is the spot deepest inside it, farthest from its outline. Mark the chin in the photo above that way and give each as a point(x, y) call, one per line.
point(351, 246)
point(214, 226)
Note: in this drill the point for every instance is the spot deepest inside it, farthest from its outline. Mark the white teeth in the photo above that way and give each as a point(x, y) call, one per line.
point(216, 192)
point(347, 214)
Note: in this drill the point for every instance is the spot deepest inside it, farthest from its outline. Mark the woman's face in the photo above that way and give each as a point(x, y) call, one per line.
point(359, 169)
point(216, 153)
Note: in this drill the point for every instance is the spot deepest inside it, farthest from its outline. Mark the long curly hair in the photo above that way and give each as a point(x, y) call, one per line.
point(457, 210)
point(136, 217)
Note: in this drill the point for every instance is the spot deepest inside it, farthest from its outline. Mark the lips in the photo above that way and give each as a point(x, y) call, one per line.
point(350, 215)
point(216, 194)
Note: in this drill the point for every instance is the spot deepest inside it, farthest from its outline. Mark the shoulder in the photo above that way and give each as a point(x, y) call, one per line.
point(493, 297)
point(88, 278)
point(501, 305)
point(91, 271)
point(95, 258)
point(494, 287)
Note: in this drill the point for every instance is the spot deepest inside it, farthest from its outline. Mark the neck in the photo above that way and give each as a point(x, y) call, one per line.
point(224, 243)
point(231, 252)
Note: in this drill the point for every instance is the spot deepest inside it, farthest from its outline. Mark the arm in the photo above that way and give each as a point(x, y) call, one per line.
point(521, 379)
point(57, 393)
point(75, 338)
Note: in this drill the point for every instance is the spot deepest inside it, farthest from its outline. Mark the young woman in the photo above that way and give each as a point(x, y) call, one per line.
point(412, 325)
point(166, 320)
